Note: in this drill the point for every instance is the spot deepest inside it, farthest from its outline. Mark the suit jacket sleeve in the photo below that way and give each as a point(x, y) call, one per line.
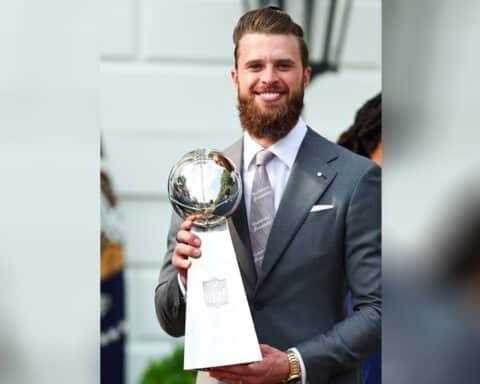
point(359, 334)
point(169, 301)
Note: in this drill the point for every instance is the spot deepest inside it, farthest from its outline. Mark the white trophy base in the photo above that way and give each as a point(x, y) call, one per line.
point(219, 328)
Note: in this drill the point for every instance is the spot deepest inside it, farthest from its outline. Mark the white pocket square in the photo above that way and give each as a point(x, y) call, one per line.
point(321, 207)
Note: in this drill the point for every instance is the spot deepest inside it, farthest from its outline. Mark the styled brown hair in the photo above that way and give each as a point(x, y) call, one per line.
point(269, 20)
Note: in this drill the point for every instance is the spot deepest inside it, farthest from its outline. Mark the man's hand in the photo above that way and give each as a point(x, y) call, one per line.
point(188, 245)
point(274, 368)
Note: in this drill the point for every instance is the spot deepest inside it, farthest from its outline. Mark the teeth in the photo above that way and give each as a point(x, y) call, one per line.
point(270, 95)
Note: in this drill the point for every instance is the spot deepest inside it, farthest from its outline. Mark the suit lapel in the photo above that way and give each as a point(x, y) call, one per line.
point(309, 178)
point(238, 226)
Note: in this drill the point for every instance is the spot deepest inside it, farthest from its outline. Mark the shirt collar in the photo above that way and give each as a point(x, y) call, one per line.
point(285, 149)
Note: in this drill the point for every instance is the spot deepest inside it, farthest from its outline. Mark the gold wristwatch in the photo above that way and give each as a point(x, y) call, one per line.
point(294, 365)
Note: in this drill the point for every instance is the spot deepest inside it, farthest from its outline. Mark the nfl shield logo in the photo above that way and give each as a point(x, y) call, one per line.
point(215, 292)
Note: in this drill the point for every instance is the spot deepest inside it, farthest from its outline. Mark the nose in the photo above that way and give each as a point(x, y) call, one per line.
point(269, 75)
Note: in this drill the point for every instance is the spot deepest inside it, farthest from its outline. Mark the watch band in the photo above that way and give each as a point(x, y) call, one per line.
point(294, 364)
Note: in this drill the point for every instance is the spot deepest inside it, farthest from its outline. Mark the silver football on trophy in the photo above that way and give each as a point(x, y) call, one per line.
point(205, 183)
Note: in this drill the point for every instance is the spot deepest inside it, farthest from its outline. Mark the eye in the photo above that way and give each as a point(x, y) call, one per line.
point(284, 66)
point(254, 66)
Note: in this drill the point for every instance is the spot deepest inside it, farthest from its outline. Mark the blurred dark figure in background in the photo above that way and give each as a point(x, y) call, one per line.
point(434, 322)
point(112, 339)
point(462, 252)
point(459, 252)
point(364, 137)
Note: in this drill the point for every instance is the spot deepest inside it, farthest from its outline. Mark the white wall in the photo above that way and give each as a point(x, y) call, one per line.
point(49, 200)
point(165, 89)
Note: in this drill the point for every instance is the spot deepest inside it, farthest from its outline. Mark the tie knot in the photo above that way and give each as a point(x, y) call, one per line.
point(263, 157)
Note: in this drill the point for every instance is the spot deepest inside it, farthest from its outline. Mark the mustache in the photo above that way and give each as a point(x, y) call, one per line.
point(269, 88)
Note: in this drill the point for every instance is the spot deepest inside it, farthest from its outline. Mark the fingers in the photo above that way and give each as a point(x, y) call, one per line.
point(240, 370)
point(227, 378)
point(187, 224)
point(181, 255)
point(184, 251)
point(188, 245)
point(192, 218)
point(266, 349)
point(187, 237)
point(180, 262)
point(235, 379)
point(246, 373)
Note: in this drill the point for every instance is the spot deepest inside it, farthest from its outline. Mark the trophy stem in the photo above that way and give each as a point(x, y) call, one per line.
point(219, 328)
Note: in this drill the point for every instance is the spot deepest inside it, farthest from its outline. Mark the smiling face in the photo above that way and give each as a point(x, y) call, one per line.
point(270, 81)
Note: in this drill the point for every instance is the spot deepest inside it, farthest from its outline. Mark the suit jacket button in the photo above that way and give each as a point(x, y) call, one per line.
point(258, 306)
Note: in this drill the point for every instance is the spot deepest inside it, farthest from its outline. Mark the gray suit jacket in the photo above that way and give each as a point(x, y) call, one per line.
point(311, 261)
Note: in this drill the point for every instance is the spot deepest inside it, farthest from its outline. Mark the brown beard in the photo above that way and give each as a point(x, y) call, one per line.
point(274, 123)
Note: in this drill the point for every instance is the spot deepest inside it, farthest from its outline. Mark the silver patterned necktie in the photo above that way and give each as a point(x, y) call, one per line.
point(262, 208)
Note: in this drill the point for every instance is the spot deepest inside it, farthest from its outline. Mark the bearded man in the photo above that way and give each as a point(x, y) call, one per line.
point(307, 231)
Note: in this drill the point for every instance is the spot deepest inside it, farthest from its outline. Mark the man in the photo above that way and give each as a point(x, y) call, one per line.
point(308, 228)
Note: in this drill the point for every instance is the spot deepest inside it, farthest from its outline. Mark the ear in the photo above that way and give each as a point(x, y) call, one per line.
point(307, 73)
point(234, 75)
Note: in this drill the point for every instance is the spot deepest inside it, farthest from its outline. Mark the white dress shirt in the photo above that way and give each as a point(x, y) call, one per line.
point(278, 169)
